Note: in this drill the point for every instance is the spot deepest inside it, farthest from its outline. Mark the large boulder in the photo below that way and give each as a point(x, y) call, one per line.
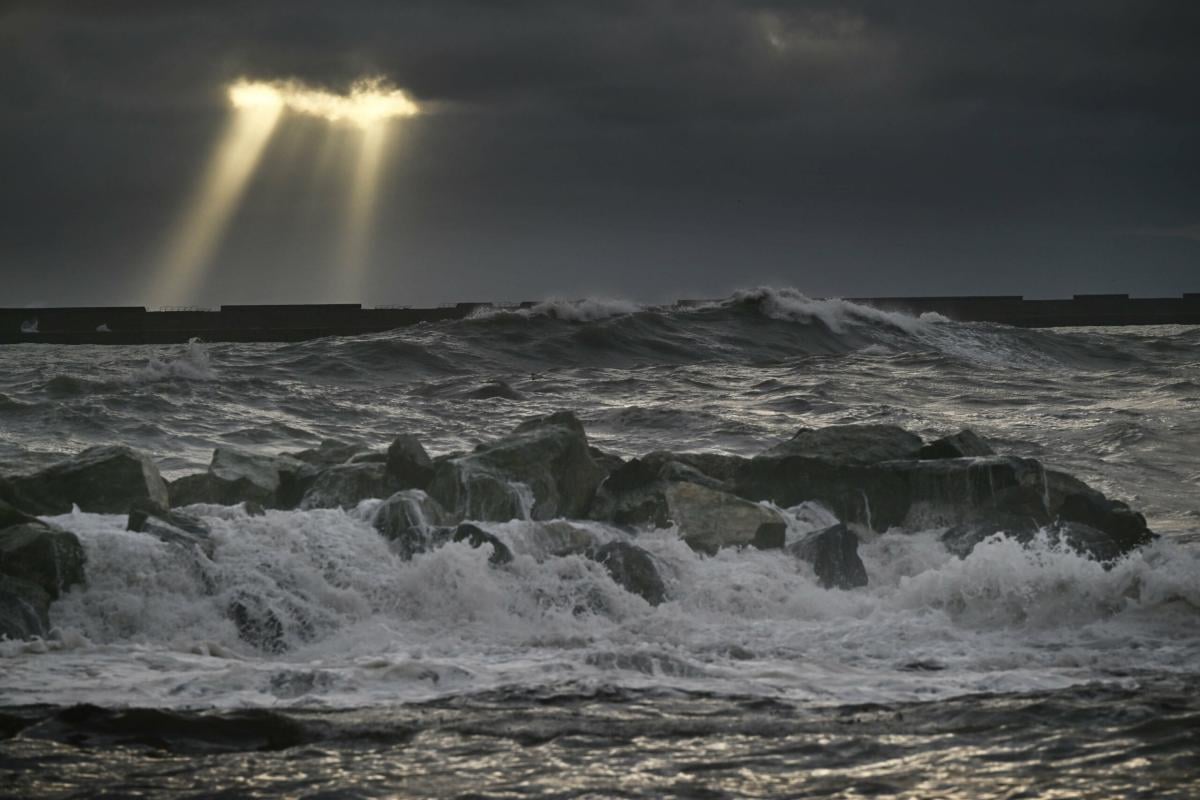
point(412, 521)
point(709, 519)
point(635, 492)
point(851, 444)
point(1067, 509)
point(46, 556)
point(104, 480)
point(237, 476)
point(408, 463)
point(345, 485)
point(633, 569)
point(833, 554)
point(547, 455)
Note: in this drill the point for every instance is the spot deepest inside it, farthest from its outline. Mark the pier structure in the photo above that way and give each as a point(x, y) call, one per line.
point(291, 323)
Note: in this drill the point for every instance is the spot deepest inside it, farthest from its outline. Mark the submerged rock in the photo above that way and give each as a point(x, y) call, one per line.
point(478, 537)
point(413, 521)
point(258, 625)
point(633, 569)
point(851, 444)
point(346, 485)
point(560, 538)
point(548, 455)
point(103, 480)
point(833, 554)
point(408, 463)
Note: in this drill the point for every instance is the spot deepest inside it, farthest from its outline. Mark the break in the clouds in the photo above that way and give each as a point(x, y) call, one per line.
point(649, 149)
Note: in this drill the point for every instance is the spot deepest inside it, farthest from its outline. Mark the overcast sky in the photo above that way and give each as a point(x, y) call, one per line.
point(648, 150)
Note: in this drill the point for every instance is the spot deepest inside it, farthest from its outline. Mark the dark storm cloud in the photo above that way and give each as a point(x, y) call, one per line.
point(643, 148)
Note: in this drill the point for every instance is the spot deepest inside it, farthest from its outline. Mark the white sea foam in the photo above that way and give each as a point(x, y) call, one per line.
point(193, 364)
point(153, 625)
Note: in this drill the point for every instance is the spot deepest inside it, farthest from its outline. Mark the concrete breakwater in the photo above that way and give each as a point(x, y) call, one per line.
point(286, 323)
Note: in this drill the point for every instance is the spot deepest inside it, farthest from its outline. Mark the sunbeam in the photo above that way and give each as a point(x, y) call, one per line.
point(225, 180)
point(258, 105)
point(363, 191)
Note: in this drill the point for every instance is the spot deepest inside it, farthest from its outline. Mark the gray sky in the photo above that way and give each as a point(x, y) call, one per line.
point(649, 150)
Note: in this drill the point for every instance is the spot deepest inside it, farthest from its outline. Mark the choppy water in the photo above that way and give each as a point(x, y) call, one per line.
point(1017, 669)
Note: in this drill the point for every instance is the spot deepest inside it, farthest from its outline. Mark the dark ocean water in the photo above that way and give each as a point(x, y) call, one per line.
point(1017, 672)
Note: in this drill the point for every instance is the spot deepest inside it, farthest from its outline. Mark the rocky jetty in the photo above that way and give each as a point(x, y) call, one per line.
point(567, 499)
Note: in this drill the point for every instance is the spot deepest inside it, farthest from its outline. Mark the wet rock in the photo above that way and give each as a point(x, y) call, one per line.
point(172, 527)
point(104, 480)
point(559, 538)
point(368, 457)
point(717, 466)
point(180, 732)
point(1079, 516)
point(10, 515)
point(413, 521)
point(770, 536)
point(833, 554)
point(408, 463)
point(346, 485)
point(236, 476)
point(709, 519)
point(192, 489)
point(633, 569)
point(606, 461)
point(494, 389)
point(1123, 528)
point(548, 455)
point(851, 444)
point(48, 557)
point(258, 625)
point(635, 492)
point(330, 453)
point(915, 494)
point(964, 444)
point(478, 537)
point(24, 609)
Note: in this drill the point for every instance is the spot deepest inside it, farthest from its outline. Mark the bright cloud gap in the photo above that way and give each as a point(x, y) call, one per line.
point(369, 100)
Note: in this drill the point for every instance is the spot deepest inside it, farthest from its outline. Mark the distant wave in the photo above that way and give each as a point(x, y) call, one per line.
point(587, 310)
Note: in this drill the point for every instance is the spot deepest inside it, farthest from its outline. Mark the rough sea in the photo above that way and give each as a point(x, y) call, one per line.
point(1019, 671)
